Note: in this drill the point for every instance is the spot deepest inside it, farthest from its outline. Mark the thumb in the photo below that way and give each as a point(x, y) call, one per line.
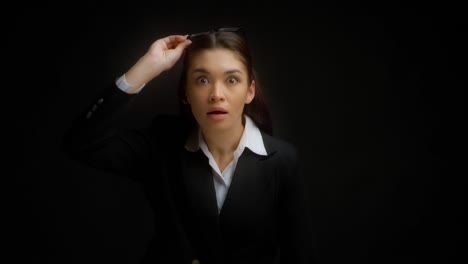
point(174, 54)
point(180, 48)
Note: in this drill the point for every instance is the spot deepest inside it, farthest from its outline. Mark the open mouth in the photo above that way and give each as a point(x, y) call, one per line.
point(217, 112)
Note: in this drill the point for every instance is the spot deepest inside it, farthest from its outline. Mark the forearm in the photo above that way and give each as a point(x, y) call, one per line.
point(94, 131)
point(142, 72)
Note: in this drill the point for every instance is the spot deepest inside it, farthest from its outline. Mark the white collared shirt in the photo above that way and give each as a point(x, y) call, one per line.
point(251, 138)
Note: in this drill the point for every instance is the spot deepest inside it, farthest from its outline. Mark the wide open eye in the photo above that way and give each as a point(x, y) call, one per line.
point(202, 80)
point(232, 80)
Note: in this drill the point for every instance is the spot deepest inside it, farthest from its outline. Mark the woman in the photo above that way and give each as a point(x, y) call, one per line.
point(223, 189)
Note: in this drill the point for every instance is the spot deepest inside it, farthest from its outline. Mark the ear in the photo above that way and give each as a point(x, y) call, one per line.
point(250, 92)
point(185, 100)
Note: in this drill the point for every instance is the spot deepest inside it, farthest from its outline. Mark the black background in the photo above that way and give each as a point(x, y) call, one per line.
point(373, 96)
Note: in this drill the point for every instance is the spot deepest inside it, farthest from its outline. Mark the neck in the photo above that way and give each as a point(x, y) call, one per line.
point(223, 143)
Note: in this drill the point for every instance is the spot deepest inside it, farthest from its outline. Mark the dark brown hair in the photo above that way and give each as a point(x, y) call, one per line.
point(257, 110)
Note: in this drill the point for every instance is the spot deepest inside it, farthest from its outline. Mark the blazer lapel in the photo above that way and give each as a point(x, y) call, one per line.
point(251, 176)
point(200, 193)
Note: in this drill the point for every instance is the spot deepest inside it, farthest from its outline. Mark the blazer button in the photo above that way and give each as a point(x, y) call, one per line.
point(100, 100)
point(94, 108)
point(88, 115)
point(195, 261)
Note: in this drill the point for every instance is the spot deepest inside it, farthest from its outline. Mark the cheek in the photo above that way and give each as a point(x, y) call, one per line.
point(240, 104)
point(192, 98)
point(194, 103)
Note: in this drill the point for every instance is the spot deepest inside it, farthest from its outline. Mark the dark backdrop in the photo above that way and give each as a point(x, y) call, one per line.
point(371, 95)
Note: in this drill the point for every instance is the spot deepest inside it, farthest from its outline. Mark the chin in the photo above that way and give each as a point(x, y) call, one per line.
point(216, 124)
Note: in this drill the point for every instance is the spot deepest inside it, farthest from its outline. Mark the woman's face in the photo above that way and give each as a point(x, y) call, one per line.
point(218, 88)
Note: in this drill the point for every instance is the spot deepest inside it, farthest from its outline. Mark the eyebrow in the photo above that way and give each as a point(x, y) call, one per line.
point(203, 70)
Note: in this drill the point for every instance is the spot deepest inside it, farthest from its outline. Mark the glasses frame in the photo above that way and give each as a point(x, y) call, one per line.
point(237, 30)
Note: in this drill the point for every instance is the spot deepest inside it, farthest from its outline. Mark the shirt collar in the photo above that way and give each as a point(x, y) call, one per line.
point(251, 138)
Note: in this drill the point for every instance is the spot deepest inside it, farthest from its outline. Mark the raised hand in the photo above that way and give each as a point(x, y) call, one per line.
point(161, 56)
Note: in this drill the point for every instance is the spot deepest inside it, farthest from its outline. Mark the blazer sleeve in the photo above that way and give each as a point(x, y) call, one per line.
point(96, 139)
point(295, 232)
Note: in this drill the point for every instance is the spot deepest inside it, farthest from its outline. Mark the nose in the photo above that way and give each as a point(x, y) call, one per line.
point(216, 93)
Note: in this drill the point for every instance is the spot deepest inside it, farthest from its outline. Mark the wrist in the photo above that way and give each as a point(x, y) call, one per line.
point(143, 71)
point(127, 87)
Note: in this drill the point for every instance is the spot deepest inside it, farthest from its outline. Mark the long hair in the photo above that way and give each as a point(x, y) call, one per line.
point(257, 109)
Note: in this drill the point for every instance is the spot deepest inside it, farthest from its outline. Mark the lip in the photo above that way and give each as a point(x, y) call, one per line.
point(216, 109)
point(217, 113)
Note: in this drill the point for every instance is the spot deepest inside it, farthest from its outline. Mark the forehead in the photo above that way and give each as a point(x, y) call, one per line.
point(216, 59)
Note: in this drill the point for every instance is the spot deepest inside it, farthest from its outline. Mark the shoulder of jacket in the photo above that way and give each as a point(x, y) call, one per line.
point(280, 147)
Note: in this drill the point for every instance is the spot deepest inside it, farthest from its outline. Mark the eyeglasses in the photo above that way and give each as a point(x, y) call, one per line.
point(237, 30)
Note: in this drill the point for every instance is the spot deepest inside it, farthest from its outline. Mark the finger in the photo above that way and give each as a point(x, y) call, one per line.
point(180, 48)
point(173, 40)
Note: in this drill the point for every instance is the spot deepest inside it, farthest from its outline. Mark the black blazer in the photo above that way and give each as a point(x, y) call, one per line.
point(265, 217)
